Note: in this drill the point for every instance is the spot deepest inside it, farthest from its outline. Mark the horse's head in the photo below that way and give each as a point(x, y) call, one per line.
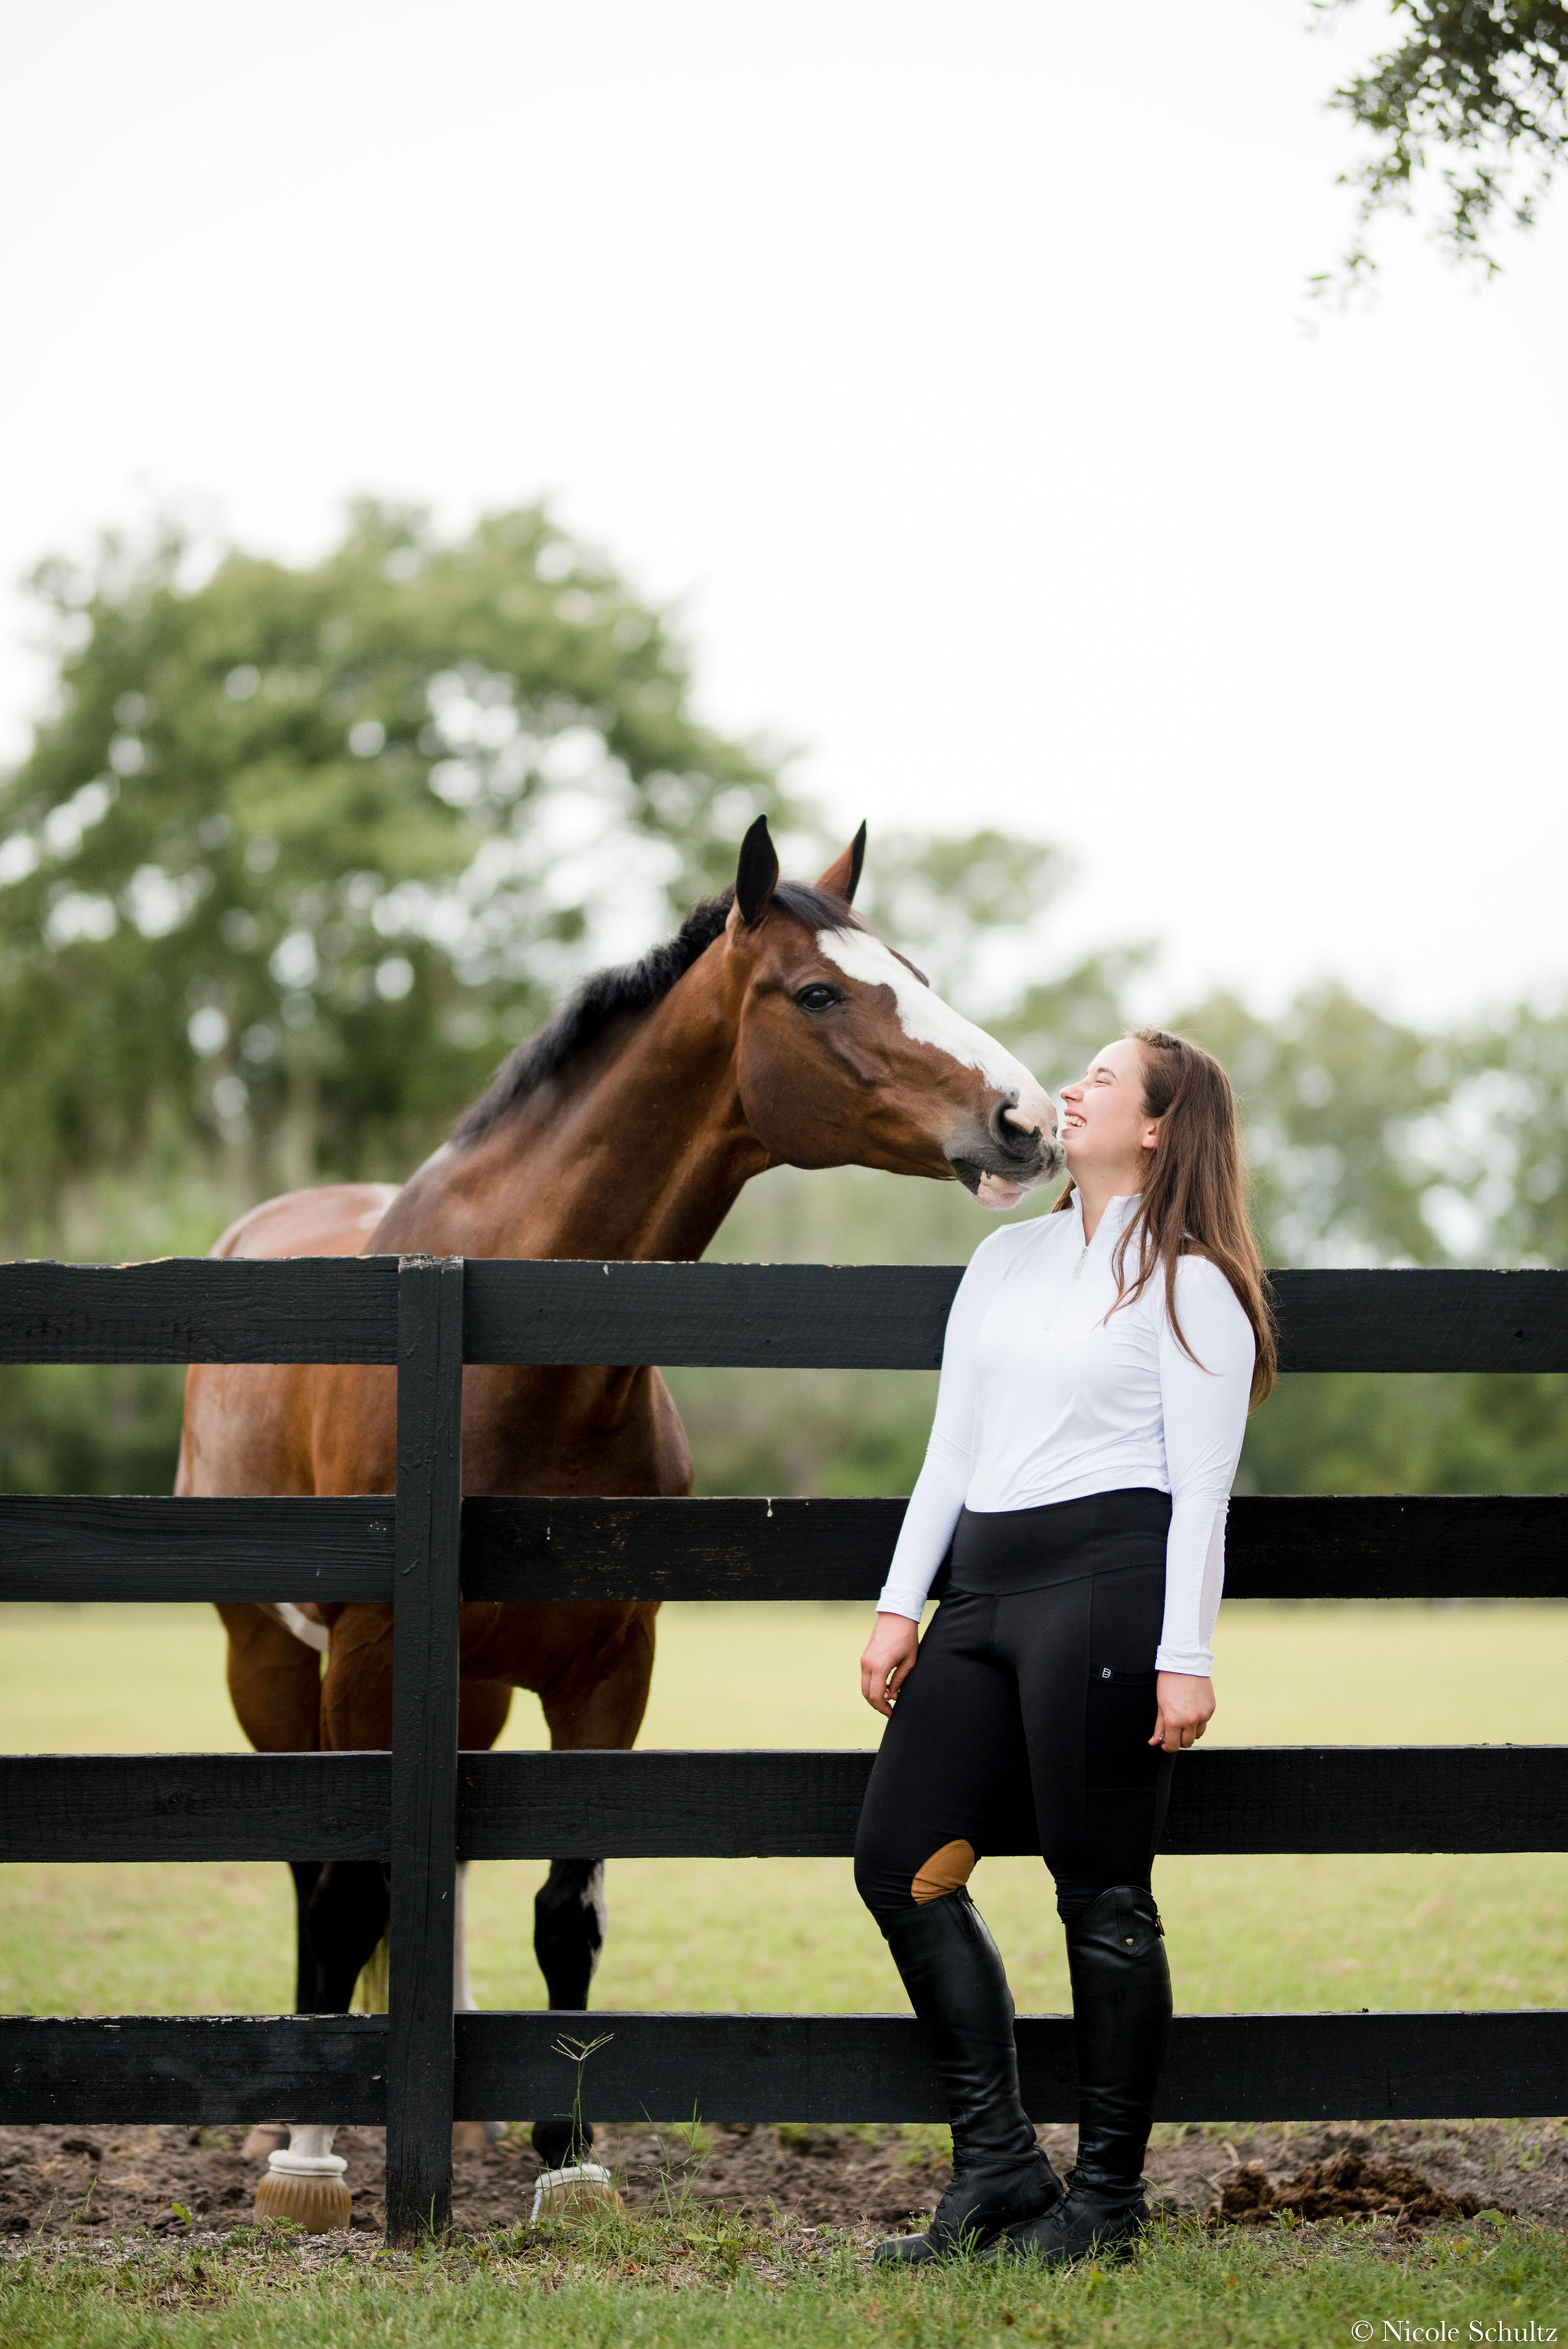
point(846, 1056)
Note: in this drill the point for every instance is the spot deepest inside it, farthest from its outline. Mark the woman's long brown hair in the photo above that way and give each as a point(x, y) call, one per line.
point(1194, 1198)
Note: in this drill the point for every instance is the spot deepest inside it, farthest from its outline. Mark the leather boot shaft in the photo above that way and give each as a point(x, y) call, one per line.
point(958, 1989)
point(957, 1986)
point(1121, 2017)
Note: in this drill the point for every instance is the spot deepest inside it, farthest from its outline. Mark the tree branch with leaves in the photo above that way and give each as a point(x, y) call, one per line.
point(1476, 95)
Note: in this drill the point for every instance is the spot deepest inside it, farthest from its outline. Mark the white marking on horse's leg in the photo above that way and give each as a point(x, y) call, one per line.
point(309, 2153)
point(463, 1999)
point(315, 1635)
point(594, 1900)
point(925, 1019)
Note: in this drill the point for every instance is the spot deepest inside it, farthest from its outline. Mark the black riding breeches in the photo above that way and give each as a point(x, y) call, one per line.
point(1024, 1724)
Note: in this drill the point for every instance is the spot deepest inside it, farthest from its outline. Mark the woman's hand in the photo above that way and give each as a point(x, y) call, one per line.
point(888, 1660)
point(1185, 1708)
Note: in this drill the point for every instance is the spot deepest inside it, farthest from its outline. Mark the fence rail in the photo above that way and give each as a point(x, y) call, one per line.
point(733, 1805)
point(423, 1806)
point(1279, 1546)
point(731, 1316)
point(758, 2067)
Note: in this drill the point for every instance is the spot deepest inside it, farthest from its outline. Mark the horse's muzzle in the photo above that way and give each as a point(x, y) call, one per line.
point(1026, 1155)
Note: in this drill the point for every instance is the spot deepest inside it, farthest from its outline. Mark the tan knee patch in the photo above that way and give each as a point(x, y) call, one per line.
point(947, 1871)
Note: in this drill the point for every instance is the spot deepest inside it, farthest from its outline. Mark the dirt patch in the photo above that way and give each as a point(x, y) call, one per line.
point(96, 2182)
point(1351, 2186)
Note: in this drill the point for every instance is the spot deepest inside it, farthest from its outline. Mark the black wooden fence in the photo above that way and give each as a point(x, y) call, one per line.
point(424, 1805)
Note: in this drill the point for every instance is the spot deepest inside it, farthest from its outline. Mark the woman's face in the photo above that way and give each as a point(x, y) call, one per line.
point(1106, 1130)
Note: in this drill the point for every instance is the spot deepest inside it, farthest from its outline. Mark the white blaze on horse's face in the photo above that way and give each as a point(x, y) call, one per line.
point(925, 1019)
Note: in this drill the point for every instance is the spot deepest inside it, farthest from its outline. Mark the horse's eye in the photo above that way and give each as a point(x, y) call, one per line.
point(818, 998)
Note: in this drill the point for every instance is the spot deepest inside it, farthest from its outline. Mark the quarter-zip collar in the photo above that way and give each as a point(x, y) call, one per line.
point(1119, 1209)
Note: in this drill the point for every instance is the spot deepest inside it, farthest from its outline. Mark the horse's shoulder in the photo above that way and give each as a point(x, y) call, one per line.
point(331, 1220)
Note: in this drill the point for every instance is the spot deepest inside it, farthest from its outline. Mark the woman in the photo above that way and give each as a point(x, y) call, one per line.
point(1096, 1378)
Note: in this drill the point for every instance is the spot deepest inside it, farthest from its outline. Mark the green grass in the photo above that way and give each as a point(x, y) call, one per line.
point(1434, 1931)
point(1275, 1933)
point(684, 2283)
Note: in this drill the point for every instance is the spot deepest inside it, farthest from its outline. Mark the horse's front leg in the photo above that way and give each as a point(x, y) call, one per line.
point(601, 1706)
point(570, 1918)
point(343, 1909)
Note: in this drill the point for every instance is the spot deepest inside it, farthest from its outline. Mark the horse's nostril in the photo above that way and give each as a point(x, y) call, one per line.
point(1022, 1141)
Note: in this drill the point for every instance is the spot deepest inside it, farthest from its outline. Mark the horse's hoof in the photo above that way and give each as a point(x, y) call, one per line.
point(308, 2191)
point(584, 2190)
point(263, 2139)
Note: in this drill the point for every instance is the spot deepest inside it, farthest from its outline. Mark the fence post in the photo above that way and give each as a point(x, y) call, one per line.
point(424, 1746)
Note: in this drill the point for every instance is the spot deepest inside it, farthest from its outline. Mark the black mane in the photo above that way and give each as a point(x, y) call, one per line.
point(612, 996)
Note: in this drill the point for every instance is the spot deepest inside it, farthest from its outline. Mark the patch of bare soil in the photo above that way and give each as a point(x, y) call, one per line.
point(1419, 2174)
point(1351, 2186)
point(78, 2183)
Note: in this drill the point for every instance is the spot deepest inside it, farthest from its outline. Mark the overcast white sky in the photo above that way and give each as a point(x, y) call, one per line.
point(945, 357)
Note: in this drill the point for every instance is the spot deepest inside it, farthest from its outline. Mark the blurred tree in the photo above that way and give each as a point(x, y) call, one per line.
point(1477, 92)
point(1337, 1102)
point(1371, 1142)
point(1507, 1138)
point(1056, 1025)
point(942, 897)
point(301, 852)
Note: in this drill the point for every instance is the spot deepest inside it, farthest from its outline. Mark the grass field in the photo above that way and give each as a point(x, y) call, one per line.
point(1276, 1932)
point(679, 2285)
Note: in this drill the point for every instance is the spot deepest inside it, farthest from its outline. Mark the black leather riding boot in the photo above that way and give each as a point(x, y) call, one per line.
point(1121, 2017)
point(953, 1975)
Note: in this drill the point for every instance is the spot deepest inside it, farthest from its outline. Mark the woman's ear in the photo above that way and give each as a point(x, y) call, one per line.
point(1149, 1137)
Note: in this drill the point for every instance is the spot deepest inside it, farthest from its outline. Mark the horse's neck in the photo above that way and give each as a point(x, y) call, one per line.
point(639, 1152)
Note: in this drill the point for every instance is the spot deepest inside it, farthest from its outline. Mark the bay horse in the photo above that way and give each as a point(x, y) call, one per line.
point(774, 1029)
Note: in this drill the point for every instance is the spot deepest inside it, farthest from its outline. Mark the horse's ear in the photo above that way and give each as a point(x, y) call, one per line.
point(757, 874)
point(843, 877)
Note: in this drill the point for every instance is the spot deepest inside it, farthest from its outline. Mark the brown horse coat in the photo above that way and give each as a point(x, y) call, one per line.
point(775, 1029)
point(762, 1050)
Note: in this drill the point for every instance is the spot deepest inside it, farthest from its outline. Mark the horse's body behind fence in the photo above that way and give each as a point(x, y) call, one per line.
point(775, 1029)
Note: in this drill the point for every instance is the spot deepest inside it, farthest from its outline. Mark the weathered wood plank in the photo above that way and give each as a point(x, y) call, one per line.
point(1234, 1799)
point(1279, 1546)
point(517, 1805)
point(195, 1806)
point(777, 1316)
point(873, 2067)
point(1264, 1798)
point(727, 1548)
point(772, 2067)
point(1418, 1320)
point(424, 1744)
point(332, 1308)
point(892, 1316)
point(81, 1547)
point(343, 1308)
point(210, 2068)
point(1397, 1546)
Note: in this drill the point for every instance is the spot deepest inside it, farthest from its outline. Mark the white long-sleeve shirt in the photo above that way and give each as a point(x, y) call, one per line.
point(1046, 1394)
